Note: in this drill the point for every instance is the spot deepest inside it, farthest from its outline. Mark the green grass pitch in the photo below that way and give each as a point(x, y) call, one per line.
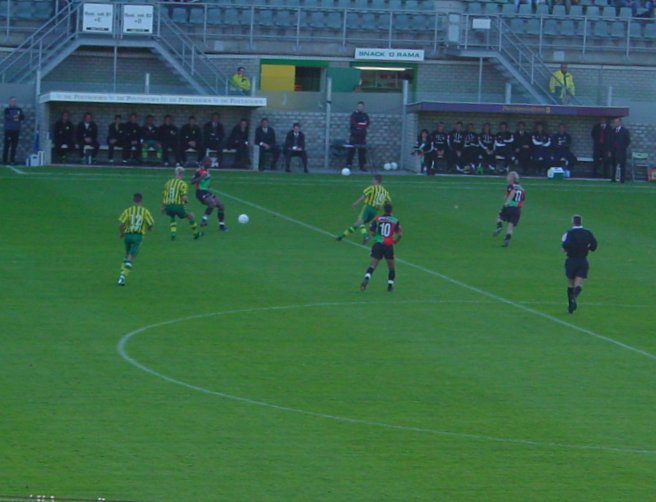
point(253, 368)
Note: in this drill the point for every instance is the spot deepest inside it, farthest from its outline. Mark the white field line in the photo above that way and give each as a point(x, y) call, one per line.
point(456, 282)
point(15, 169)
point(281, 179)
point(121, 348)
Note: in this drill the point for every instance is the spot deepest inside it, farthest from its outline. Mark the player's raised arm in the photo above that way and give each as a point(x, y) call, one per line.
point(398, 233)
point(358, 201)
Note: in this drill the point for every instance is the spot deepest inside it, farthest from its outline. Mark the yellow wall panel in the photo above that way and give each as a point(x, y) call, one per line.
point(275, 77)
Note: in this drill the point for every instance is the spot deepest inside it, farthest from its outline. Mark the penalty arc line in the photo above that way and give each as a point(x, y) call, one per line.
point(121, 348)
point(456, 282)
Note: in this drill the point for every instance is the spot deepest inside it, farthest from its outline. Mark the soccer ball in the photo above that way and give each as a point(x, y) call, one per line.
point(346, 171)
point(395, 166)
point(387, 166)
point(243, 219)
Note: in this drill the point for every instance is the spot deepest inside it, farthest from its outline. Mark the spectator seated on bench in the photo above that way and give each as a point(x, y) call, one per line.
point(265, 141)
point(132, 142)
point(150, 141)
point(87, 139)
point(115, 137)
point(191, 140)
point(213, 136)
point(168, 138)
point(239, 142)
point(63, 137)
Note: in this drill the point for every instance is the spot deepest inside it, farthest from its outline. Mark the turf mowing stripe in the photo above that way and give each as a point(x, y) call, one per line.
point(456, 282)
point(121, 348)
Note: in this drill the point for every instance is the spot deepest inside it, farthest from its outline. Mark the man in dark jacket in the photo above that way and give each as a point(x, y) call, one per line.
point(168, 138)
point(600, 133)
point(265, 139)
point(115, 137)
point(561, 143)
point(213, 136)
point(359, 123)
point(618, 142)
point(522, 146)
point(191, 138)
point(13, 118)
point(239, 142)
point(87, 136)
point(132, 147)
point(150, 140)
point(63, 136)
point(295, 147)
point(440, 147)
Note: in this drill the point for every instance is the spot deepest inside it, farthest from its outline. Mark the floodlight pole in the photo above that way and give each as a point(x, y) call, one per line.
point(404, 123)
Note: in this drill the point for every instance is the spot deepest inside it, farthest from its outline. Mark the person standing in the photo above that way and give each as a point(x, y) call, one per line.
point(456, 142)
point(511, 211)
point(115, 137)
point(13, 118)
point(440, 147)
point(63, 136)
point(87, 136)
point(387, 232)
point(424, 150)
point(561, 84)
point(265, 139)
point(541, 149)
point(618, 142)
point(174, 200)
point(577, 242)
point(600, 135)
point(134, 222)
point(359, 123)
point(295, 147)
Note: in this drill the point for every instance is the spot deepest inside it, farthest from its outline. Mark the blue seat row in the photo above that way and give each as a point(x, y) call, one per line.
point(27, 10)
point(509, 9)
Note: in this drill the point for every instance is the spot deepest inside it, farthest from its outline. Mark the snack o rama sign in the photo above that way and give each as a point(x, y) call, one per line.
point(390, 54)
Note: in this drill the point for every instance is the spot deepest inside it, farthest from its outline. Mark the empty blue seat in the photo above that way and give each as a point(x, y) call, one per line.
point(395, 5)
point(550, 27)
point(401, 22)
point(650, 31)
point(41, 11)
point(475, 8)
point(232, 16)
point(21, 10)
point(568, 28)
point(490, 9)
point(618, 29)
point(559, 10)
point(412, 5)
point(576, 10)
point(592, 11)
point(264, 17)
point(508, 9)
point(600, 29)
point(635, 30)
point(626, 12)
point(542, 9)
point(179, 14)
point(334, 20)
point(197, 16)
point(517, 25)
point(285, 18)
point(361, 4)
point(609, 12)
point(525, 9)
point(533, 27)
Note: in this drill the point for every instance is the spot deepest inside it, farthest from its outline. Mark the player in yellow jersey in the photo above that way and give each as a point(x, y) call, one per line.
point(134, 222)
point(174, 198)
point(373, 198)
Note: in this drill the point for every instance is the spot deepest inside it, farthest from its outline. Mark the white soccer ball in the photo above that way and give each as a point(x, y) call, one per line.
point(395, 166)
point(243, 219)
point(346, 172)
point(387, 166)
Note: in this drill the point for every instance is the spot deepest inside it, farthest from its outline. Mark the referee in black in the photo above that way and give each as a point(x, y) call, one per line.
point(577, 242)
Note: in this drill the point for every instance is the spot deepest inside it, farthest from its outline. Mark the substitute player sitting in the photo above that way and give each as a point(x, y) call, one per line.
point(577, 242)
point(202, 181)
point(512, 207)
point(133, 224)
point(373, 197)
point(387, 232)
point(174, 199)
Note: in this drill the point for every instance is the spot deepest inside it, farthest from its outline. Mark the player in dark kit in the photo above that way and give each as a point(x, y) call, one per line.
point(456, 145)
point(503, 146)
point(512, 207)
point(577, 242)
point(541, 149)
point(471, 149)
point(387, 232)
point(486, 140)
point(202, 181)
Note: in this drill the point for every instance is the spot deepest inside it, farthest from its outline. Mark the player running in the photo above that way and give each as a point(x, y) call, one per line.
point(134, 222)
point(512, 207)
point(174, 199)
point(374, 197)
point(202, 181)
point(577, 242)
point(387, 232)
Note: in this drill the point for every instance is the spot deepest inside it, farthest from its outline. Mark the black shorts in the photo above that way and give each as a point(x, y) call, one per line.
point(204, 195)
point(380, 251)
point(576, 267)
point(510, 214)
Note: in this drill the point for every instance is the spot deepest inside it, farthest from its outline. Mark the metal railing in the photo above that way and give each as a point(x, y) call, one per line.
point(36, 50)
point(190, 57)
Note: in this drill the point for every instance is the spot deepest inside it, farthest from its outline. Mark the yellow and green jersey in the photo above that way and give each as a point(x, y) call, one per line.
point(136, 220)
point(175, 191)
point(376, 196)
